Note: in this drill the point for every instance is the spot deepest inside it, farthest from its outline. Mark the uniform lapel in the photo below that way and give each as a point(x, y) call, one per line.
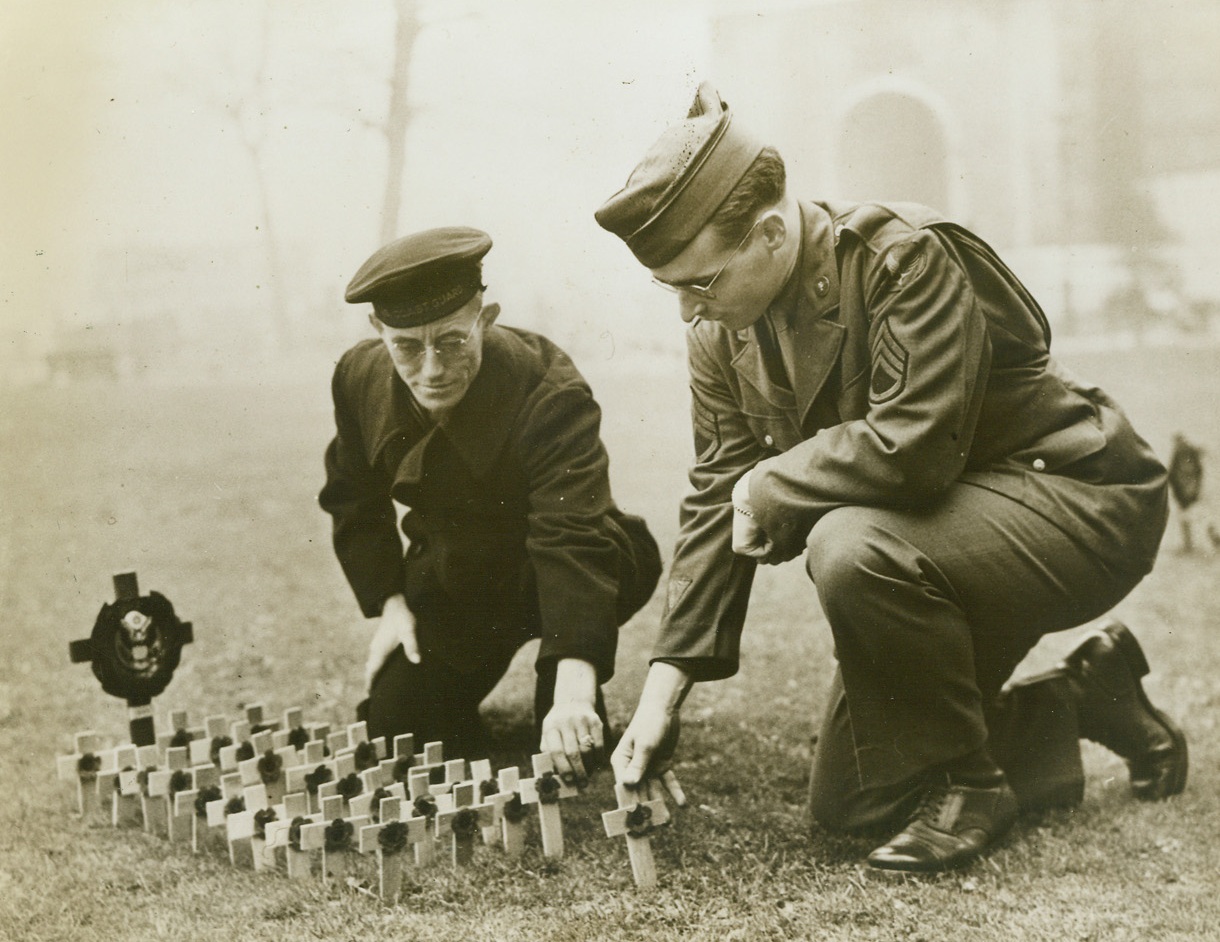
point(816, 336)
point(747, 360)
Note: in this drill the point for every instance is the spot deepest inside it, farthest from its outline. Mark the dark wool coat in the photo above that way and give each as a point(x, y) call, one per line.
point(917, 359)
point(512, 530)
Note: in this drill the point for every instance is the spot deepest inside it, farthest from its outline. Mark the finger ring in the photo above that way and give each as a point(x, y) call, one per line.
point(586, 741)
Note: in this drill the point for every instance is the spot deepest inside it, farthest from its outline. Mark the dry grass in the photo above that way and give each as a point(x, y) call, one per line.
point(208, 494)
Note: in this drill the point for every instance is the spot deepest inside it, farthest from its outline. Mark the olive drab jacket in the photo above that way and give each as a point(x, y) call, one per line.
point(916, 359)
point(512, 531)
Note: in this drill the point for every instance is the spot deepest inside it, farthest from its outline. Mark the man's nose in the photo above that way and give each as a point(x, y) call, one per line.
point(431, 364)
point(690, 307)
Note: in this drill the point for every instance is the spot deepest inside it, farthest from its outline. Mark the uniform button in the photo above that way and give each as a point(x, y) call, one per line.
point(1039, 464)
point(768, 440)
point(821, 286)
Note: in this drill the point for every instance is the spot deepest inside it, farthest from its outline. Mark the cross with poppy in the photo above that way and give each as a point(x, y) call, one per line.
point(640, 811)
point(545, 790)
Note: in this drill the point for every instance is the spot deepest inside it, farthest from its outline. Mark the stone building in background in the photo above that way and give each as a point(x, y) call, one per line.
point(1081, 137)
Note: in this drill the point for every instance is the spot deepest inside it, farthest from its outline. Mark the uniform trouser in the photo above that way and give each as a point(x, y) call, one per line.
point(438, 701)
point(931, 611)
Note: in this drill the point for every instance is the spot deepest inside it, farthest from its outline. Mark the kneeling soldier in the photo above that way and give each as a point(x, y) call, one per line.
point(873, 388)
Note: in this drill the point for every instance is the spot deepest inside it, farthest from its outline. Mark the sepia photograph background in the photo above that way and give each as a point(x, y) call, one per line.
point(186, 188)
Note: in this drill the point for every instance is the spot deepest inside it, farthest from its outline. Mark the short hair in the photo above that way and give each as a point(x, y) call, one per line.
point(762, 185)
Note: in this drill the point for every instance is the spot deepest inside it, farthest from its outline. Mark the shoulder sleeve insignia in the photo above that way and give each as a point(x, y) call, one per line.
point(905, 262)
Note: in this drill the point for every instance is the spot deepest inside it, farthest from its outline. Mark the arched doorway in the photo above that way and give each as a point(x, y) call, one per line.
point(891, 147)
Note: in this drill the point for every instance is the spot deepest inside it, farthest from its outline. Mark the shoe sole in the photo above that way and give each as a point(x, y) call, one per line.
point(1129, 648)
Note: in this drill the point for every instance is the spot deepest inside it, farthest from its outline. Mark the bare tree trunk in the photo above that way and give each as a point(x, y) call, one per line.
point(254, 133)
point(398, 115)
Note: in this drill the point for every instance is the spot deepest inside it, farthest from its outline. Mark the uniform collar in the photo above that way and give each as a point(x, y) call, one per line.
point(803, 307)
point(818, 266)
point(816, 335)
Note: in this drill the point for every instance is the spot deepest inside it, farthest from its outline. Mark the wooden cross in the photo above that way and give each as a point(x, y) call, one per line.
point(216, 734)
point(217, 810)
point(334, 836)
point(131, 802)
point(254, 716)
point(307, 779)
point(423, 805)
point(488, 793)
point(346, 783)
point(429, 779)
point(368, 801)
point(267, 768)
point(545, 790)
point(154, 799)
point(207, 789)
point(635, 820)
point(464, 821)
point(245, 844)
point(126, 809)
point(180, 824)
point(180, 733)
point(390, 838)
point(283, 833)
point(82, 767)
point(512, 811)
point(396, 766)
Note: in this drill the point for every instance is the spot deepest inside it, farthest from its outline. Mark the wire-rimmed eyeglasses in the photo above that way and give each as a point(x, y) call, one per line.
point(704, 291)
point(448, 348)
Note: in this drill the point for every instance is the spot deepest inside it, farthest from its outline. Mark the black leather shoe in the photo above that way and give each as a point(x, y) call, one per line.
point(952, 826)
point(1115, 711)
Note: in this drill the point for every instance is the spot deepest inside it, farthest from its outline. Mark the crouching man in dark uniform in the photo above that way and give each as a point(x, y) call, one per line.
point(872, 388)
point(489, 437)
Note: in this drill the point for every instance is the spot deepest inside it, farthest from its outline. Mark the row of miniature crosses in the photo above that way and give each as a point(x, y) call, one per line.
point(304, 800)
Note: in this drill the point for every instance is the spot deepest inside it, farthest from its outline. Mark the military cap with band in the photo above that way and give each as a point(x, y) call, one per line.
point(681, 182)
point(422, 277)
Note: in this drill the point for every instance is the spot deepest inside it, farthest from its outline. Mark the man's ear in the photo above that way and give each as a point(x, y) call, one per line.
point(774, 230)
point(376, 324)
point(489, 314)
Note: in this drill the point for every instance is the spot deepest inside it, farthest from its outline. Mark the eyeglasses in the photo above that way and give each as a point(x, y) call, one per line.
point(412, 351)
point(705, 291)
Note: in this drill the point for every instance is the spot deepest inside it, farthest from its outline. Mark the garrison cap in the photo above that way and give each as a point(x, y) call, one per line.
point(680, 183)
point(422, 277)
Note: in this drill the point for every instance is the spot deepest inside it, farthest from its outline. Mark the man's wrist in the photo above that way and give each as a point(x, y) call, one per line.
point(741, 495)
point(397, 600)
point(665, 687)
point(575, 681)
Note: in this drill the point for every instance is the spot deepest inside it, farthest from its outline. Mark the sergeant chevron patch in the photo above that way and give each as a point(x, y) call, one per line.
point(889, 366)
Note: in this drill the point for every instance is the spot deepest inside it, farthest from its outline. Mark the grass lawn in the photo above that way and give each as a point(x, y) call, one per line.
point(209, 494)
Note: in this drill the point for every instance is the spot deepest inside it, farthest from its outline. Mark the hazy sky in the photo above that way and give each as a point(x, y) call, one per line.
point(123, 121)
point(122, 139)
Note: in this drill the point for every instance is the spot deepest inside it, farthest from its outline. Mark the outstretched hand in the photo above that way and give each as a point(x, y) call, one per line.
point(647, 747)
point(396, 626)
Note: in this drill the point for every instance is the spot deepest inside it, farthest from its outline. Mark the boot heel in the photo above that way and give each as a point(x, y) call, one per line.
point(1129, 647)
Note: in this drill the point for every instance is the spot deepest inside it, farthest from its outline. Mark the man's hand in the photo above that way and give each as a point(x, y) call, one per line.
point(648, 744)
point(572, 731)
point(749, 539)
point(396, 626)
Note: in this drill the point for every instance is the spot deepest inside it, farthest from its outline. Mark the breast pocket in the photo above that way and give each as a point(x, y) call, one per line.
point(773, 428)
